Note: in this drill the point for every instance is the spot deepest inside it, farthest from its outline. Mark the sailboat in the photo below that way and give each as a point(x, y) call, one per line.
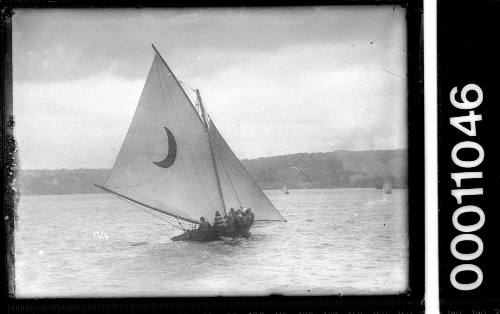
point(387, 187)
point(285, 189)
point(173, 160)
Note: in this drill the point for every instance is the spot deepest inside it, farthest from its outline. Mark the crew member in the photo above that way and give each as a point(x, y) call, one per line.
point(250, 216)
point(230, 225)
point(219, 222)
point(238, 219)
point(204, 224)
point(247, 218)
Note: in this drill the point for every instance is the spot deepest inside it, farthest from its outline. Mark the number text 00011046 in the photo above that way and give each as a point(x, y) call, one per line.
point(459, 193)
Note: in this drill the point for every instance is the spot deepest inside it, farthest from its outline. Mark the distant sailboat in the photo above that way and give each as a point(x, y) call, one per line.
point(285, 189)
point(174, 160)
point(387, 188)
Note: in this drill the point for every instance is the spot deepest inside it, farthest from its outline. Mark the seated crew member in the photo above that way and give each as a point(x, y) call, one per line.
point(238, 219)
point(219, 222)
point(204, 225)
point(250, 215)
point(247, 218)
point(232, 212)
point(242, 210)
point(230, 225)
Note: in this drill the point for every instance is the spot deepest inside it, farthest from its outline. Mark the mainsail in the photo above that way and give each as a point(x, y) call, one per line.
point(173, 161)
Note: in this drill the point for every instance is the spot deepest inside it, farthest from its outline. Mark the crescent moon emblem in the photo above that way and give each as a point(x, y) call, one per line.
point(172, 151)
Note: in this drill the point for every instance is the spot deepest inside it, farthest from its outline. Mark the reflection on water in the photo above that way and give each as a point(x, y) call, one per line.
point(348, 241)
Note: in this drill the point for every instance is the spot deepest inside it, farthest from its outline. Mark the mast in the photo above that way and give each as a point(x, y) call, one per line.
point(204, 115)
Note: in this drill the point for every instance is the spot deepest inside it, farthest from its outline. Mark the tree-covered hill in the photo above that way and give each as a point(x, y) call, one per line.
point(339, 169)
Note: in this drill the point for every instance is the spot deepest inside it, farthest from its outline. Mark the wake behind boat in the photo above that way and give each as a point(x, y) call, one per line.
point(174, 160)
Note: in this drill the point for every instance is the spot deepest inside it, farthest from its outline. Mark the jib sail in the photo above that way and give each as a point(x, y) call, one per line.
point(238, 187)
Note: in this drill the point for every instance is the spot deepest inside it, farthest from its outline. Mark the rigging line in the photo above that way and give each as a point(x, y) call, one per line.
point(194, 90)
point(175, 78)
point(185, 86)
point(221, 195)
point(147, 211)
point(178, 221)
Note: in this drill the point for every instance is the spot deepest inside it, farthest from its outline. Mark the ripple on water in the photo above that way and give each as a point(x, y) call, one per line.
point(334, 242)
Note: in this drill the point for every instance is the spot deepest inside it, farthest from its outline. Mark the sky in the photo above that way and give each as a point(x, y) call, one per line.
point(275, 81)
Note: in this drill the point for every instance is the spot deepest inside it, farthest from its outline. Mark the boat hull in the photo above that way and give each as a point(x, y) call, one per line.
point(210, 235)
point(197, 236)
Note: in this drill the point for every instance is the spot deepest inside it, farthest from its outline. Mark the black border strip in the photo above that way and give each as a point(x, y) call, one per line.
point(411, 301)
point(468, 53)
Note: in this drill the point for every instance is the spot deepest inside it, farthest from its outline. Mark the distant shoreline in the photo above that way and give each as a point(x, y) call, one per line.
point(333, 170)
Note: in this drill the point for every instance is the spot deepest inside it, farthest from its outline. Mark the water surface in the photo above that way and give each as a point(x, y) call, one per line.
point(338, 241)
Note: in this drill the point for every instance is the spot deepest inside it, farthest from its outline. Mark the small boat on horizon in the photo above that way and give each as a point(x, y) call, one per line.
point(387, 188)
point(173, 160)
point(285, 189)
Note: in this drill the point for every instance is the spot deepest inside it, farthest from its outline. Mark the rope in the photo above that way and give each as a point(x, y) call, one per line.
point(179, 222)
point(191, 98)
point(126, 200)
point(194, 90)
